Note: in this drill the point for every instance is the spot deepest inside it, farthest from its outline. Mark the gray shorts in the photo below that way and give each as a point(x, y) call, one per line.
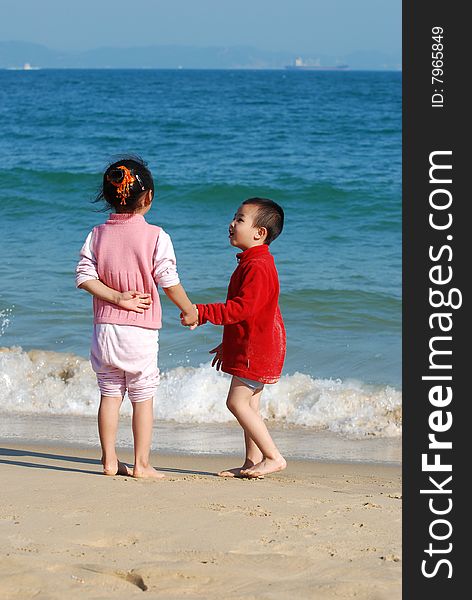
point(254, 385)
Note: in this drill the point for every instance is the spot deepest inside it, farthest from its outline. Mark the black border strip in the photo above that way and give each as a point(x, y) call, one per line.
point(435, 391)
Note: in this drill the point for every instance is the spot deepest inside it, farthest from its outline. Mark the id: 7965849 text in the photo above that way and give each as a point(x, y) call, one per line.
point(437, 63)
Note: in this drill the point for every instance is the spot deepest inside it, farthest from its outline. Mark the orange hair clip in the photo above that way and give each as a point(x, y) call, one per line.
point(123, 186)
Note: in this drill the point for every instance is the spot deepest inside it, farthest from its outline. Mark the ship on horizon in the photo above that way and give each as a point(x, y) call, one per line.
point(26, 67)
point(300, 65)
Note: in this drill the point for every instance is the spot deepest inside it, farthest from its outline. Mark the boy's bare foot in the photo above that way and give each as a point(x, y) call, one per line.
point(266, 466)
point(147, 473)
point(237, 471)
point(118, 469)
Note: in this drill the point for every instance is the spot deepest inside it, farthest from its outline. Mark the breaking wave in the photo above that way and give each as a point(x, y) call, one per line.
point(44, 382)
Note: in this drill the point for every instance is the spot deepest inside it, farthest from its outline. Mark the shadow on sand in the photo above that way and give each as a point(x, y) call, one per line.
point(15, 453)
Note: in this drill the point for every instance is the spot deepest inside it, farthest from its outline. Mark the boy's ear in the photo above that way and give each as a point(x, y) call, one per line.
point(261, 233)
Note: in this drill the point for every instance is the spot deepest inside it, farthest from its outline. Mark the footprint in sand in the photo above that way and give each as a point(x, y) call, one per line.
point(129, 576)
point(371, 505)
point(390, 557)
point(256, 511)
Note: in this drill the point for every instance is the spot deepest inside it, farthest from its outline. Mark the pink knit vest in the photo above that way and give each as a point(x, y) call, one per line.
point(124, 248)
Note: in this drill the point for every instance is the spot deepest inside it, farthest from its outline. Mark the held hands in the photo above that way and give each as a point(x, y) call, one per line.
point(134, 301)
point(190, 318)
point(218, 358)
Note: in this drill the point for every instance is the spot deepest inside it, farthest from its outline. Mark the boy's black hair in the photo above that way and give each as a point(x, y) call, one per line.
point(112, 177)
point(269, 215)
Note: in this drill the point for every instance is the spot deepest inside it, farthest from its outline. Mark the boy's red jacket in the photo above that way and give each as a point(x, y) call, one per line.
point(254, 333)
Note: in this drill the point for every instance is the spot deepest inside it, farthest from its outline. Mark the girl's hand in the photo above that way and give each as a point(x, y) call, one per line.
point(190, 319)
point(218, 358)
point(134, 301)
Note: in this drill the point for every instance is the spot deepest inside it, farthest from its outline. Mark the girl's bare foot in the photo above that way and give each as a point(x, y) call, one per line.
point(266, 466)
point(147, 473)
point(237, 471)
point(118, 468)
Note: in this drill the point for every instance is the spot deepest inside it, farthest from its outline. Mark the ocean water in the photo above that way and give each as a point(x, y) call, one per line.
point(326, 146)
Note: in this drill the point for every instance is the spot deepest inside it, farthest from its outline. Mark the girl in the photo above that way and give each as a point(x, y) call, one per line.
point(121, 263)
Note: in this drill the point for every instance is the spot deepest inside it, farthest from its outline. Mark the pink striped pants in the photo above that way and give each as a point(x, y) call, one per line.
point(124, 358)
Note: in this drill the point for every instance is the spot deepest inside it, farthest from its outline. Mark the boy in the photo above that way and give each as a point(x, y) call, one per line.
point(253, 346)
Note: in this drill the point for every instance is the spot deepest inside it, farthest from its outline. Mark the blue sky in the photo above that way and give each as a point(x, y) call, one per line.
point(299, 26)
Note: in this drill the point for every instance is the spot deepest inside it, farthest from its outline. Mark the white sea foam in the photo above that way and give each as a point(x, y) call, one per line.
point(5, 319)
point(42, 382)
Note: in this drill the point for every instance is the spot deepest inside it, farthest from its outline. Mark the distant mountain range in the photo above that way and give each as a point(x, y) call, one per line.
point(15, 54)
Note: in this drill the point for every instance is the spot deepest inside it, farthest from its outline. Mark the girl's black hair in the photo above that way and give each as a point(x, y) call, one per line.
point(112, 177)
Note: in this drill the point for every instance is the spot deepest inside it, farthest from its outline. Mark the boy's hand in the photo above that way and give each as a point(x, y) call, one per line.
point(218, 358)
point(190, 318)
point(134, 301)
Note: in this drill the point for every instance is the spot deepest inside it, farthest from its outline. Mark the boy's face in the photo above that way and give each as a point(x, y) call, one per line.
point(242, 233)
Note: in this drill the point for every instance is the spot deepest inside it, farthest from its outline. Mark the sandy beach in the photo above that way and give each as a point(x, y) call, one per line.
point(317, 530)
